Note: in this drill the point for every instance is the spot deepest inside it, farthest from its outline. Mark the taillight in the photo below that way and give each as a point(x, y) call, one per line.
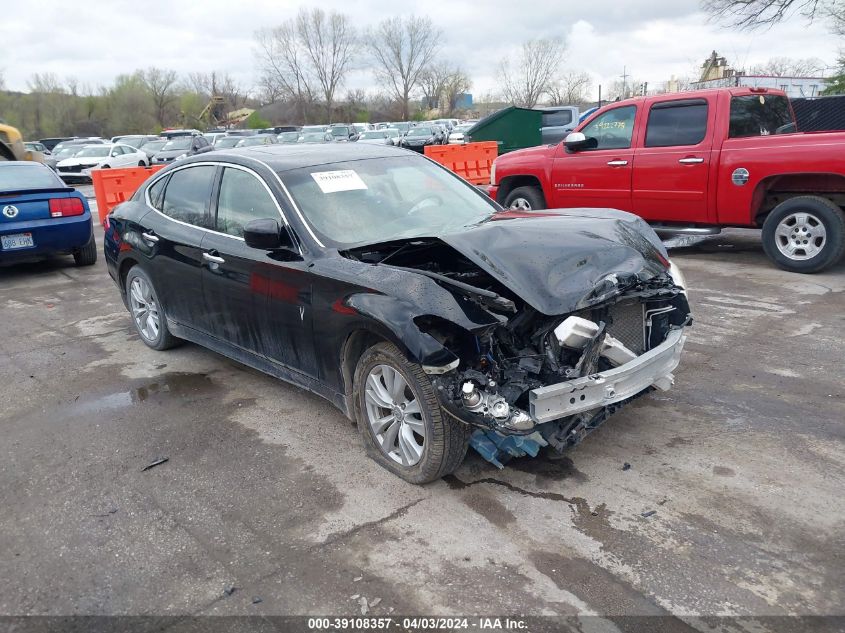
point(64, 207)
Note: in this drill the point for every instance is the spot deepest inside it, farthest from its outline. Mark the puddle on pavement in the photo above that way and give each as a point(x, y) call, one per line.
point(182, 386)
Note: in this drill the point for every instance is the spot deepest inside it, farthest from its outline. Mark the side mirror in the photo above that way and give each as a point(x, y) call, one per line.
point(575, 141)
point(266, 235)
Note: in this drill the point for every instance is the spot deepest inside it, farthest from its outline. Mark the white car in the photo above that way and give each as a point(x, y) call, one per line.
point(106, 156)
point(389, 136)
point(457, 136)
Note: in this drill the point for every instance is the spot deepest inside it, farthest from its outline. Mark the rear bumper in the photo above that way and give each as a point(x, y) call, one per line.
point(564, 399)
point(52, 236)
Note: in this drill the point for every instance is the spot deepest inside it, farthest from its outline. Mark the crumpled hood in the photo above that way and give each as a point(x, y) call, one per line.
point(560, 261)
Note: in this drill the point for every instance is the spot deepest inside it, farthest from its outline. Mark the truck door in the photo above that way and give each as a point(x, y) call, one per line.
point(673, 163)
point(598, 174)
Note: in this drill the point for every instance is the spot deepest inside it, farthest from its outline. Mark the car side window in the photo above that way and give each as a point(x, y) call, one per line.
point(116, 151)
point(156, 192)
point(187, 195)
point(242, 198)
point(673, 123)
point(612, 130)
point(557, 118)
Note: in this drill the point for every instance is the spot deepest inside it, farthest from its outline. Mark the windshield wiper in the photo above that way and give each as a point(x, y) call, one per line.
point(491, 297)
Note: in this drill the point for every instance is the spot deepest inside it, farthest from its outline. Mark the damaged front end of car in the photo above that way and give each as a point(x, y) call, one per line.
point(559, 356)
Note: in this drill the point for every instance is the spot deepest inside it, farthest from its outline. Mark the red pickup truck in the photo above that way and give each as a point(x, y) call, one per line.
point(694, 162)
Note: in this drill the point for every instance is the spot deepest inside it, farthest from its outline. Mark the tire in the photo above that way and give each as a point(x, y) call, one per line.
point(141, 163)
point(87, 255)
point(805, 234)
point(445, 440)
point(525, 199)
point(140, 290)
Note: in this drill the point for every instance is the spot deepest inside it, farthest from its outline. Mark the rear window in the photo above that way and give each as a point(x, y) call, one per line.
point(676, 123)
point(23, 177)
point(760, 115)
point(557, 119)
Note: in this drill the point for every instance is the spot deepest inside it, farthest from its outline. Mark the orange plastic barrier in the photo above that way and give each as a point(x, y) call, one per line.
point(113, 186)
point(472, 161)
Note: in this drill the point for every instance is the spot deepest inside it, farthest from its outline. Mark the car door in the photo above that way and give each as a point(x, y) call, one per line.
point(255, 299)
point(599, 173)
point(172, 236)
point(115, 158)
point(672, 166)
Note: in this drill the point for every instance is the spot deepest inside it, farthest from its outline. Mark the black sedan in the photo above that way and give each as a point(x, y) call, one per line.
point(386, 284)
point(420, 136)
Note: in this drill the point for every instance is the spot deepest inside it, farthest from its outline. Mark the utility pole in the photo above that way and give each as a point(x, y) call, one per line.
point(624, 82)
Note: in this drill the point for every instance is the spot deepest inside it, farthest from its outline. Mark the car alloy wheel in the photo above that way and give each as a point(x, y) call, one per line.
point(800, 236)
point(520, 204)
point(144, 309)
point(394, 415)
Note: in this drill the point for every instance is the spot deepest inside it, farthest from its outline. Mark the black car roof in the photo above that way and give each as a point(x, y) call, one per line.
point(284, 157)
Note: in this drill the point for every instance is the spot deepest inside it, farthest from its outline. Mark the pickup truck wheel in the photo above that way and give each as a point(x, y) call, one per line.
point(805, 234)
point(525, 199)
point(400, 420)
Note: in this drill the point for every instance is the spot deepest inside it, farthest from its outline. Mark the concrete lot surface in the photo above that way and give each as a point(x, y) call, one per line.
point(267, 488)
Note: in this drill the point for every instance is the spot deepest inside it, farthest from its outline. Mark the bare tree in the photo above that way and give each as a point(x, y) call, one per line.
point(401, 50)
point(533, 73)
point(329, 41)
point(457, 83)
point(789, 67)
point(573, 88)
point(283, 65)
point(751, 14)
point(162, 86)
point(433, 82)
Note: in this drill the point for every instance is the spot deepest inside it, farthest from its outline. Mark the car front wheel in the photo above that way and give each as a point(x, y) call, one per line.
point(400, 420)
point(805, 234)
point(147, 311)
point(525, 199)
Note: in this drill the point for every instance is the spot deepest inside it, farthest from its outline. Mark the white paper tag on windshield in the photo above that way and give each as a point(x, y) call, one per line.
point(342, 180)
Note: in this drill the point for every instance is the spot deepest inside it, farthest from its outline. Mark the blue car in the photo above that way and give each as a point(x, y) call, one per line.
point(40, 216)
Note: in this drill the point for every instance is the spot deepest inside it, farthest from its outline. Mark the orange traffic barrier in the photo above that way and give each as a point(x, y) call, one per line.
point(113, 186)
point(471, 161)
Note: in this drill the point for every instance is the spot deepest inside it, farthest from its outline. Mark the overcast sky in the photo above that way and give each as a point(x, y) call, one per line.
point(95, 40)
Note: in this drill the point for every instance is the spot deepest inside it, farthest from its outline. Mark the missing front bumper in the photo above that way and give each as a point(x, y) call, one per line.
point(572, 397)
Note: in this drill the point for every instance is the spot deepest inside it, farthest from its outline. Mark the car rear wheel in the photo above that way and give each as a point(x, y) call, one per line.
point(805, 234)
point(141, 163)
point(400, 420)
point(525, 199)
point(147, 311)
point(87, 255)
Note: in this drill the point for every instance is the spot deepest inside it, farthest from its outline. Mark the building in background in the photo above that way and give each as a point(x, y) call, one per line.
point(716, 73)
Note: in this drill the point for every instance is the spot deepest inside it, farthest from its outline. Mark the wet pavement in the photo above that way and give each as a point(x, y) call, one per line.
point(267, 489)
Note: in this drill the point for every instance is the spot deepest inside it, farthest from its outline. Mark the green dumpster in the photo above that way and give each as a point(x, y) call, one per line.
point(512, 128)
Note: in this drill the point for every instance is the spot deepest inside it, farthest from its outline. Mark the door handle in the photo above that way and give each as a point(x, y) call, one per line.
point(617, 163)
point(214, 259)
point(149, 237)
point(691, 160)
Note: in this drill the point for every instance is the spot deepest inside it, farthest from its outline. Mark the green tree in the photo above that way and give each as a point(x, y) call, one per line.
point(255, 122)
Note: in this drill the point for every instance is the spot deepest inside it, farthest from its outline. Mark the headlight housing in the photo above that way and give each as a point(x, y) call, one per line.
point(677, 276)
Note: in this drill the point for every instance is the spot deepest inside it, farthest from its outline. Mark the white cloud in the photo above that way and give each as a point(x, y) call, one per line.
point(96, 41)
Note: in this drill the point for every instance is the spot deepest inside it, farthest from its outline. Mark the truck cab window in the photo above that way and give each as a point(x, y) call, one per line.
point(672, 123)
point(760, 115)
point(611, 130)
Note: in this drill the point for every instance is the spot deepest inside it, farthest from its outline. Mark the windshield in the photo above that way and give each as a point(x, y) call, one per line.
point(315, 128)
point(289, 137)
point(313, 137)
point(381, 199)
point(66, 152)
point(32, 176)
point(340, 131)
point(183, 142)
point(760, 115)
point(391, 132)
point(420, 131)
point(133, 142)
point(250, 141)
point(227, 141)
point(378, 134)
point(404, 127)
point(93, 152)
point(153, 146)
